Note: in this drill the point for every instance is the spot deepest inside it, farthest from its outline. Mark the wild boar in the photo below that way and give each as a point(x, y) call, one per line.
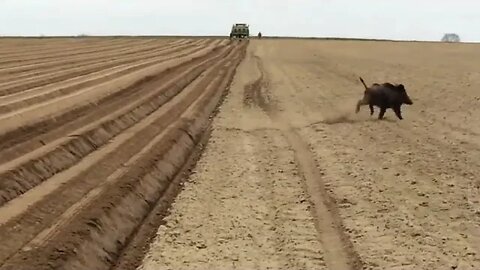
point(384, 96)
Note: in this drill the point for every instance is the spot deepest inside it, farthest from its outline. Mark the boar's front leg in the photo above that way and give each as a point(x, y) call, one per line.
point(382, 112)
point(398, 112)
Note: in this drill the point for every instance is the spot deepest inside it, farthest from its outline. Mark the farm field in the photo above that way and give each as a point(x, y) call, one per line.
point(93, 131)
point(115, 153)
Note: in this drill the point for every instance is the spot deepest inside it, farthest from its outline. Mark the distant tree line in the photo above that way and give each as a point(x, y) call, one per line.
point(451, 37)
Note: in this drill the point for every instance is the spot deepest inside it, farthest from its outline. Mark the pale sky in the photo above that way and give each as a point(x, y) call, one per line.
point(389, 19)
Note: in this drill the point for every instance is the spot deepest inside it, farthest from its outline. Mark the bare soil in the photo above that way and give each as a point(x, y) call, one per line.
point(118, 153)
point(292, 178)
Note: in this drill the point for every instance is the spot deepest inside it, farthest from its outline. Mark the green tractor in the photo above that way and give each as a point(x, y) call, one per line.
point(240, 30)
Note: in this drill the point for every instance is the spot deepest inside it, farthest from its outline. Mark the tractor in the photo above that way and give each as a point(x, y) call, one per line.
point(240, 30)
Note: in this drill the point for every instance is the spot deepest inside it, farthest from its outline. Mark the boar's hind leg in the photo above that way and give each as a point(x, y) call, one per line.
point(371, 109)
point(382, 112)
point(398, 112)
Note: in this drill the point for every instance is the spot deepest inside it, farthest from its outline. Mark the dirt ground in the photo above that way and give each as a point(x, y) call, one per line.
point(292, 178)
point(98, 136)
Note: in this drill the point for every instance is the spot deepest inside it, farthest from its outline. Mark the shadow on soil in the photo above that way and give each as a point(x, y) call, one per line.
point(350, 119)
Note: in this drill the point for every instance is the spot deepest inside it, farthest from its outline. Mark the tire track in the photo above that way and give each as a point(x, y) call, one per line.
point(136, 186)
point(339, 252)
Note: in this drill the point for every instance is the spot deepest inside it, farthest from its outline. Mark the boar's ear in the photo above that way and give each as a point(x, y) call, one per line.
point(401, 87)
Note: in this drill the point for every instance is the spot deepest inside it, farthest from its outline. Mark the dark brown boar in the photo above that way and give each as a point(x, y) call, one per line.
point(384, 96)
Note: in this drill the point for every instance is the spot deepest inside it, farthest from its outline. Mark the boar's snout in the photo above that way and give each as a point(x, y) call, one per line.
point(407, 100)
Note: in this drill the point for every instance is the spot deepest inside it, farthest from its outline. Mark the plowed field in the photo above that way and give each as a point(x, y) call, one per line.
point(99, 136)
point(93, 132)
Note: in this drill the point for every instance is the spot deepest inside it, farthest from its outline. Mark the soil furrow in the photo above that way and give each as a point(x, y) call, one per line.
point(92, 60)
point(93, 77)
point(42, 55)
point(132, 254)
point(19, 142)
point(85, 56)
point(44, 67)
point(28, 46)
point(9, 46)
point(69, 151)
point(49, 208)
point(134, 194)
point(42, 111)
point(105, 73)
point(50, 78)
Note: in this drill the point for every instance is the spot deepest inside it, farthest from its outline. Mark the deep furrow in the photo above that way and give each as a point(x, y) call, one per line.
point(20, 141)
point(135, 177)
point(18, 180)
point(72, 119)
point(47, 79)
point(44, 110)
point(173, 112)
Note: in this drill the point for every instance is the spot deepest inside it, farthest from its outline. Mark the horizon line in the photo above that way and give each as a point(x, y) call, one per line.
point(227, 36)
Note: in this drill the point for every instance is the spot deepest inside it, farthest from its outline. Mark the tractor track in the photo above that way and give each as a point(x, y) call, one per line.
point(115, 167)
point(338, 249)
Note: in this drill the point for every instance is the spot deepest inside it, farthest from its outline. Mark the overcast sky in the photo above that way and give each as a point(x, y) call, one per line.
point(392, 19)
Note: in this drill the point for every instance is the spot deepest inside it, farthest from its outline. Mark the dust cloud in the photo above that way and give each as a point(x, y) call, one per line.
point(343, 112)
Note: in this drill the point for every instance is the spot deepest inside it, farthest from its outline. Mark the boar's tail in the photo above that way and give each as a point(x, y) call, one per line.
point(363, 82)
